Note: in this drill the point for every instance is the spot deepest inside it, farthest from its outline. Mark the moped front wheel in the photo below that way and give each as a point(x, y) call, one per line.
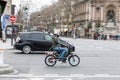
point(74, 60)
point(50, 60)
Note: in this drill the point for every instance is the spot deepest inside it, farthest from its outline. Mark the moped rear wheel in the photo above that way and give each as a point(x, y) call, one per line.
point(50, 61)
point(74, 60)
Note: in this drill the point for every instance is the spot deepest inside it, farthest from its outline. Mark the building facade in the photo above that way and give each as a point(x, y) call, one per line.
point(108, 13)
point(104, 16)
point(8, 7)
point(80, 16)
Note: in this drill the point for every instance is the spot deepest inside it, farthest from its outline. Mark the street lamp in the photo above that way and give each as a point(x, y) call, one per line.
point(26, 18)
point(39, 16)
point(27, 8)
point(39, 23)
point(30, 22)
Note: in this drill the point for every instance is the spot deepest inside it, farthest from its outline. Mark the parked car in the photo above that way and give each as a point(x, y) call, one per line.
point(29, 42)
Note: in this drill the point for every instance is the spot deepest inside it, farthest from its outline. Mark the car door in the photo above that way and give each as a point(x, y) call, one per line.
point(38, 41)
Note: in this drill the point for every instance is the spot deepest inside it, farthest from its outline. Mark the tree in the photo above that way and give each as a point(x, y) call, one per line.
point(20, 18)
point(89, 26)
point(47, 15)
point(97, 25)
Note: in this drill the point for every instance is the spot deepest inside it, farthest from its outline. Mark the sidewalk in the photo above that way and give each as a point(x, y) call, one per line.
point(5, 68)
point(6, 45)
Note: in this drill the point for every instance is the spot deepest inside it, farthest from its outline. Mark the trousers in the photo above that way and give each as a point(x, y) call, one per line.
point(62, 51)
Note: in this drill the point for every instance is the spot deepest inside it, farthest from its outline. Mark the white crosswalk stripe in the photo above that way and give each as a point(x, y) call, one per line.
point(56, 75)
point(37, 79)
point(31, 79)
point(20, 79)
point(63, 79)
point(51, 75)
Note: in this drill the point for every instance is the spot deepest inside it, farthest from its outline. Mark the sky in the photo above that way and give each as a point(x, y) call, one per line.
point(34, 4)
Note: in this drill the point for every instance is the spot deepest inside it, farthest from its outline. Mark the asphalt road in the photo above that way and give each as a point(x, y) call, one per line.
point(99, 61)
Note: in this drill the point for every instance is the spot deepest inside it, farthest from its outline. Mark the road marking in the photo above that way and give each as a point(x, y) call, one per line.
point(56, 75)
point(63, 79)
point(99, 47)
point(31, 79)
point(76, 75)
point(36, 78)
point(80, 76)
point(51, 75)
point(20, 79)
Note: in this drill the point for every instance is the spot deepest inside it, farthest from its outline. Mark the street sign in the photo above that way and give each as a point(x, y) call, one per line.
point(12, 18)
point(3, 25)
point(3, 21)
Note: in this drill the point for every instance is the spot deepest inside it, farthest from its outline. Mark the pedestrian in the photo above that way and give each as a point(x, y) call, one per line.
point(110, 36)
point(116, 37)
point(74, 31)
point(103, 36)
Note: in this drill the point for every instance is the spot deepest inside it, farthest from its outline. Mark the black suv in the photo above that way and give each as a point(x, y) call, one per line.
point(29, 42)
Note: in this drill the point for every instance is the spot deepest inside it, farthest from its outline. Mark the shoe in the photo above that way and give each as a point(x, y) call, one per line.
point(64, 60)
point(60, 59)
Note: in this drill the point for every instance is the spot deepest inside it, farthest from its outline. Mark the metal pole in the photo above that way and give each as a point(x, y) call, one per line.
point(12, 35)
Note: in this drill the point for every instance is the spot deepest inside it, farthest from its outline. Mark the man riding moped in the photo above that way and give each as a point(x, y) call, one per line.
point(60, 47)
point(61, 52)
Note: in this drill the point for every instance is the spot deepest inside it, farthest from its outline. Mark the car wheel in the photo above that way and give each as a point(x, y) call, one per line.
point(26, 49)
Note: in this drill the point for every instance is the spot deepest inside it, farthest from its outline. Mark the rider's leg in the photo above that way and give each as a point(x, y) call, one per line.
point(63, 51)
point(56, 49)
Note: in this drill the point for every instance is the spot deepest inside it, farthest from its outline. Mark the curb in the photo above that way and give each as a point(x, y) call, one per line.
point(9, 49)
point(6, 69)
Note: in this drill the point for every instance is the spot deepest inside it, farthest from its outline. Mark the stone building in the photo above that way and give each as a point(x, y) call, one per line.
point(8, 7)
point(108, 12)
point(80, 15)
point(104, 16)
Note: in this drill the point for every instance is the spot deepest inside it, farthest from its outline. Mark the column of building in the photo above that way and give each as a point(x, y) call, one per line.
point(93, 17)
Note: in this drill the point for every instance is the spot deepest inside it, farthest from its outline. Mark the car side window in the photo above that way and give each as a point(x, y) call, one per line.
point(48, 37)
point(37, 36)
point(25, 36)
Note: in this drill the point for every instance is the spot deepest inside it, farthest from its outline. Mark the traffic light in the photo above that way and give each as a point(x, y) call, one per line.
point(2, 6)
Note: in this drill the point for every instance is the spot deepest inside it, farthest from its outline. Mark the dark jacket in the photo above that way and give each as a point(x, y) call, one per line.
point(57, 42)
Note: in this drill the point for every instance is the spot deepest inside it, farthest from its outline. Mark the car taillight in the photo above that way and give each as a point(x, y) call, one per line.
point(18, 39)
